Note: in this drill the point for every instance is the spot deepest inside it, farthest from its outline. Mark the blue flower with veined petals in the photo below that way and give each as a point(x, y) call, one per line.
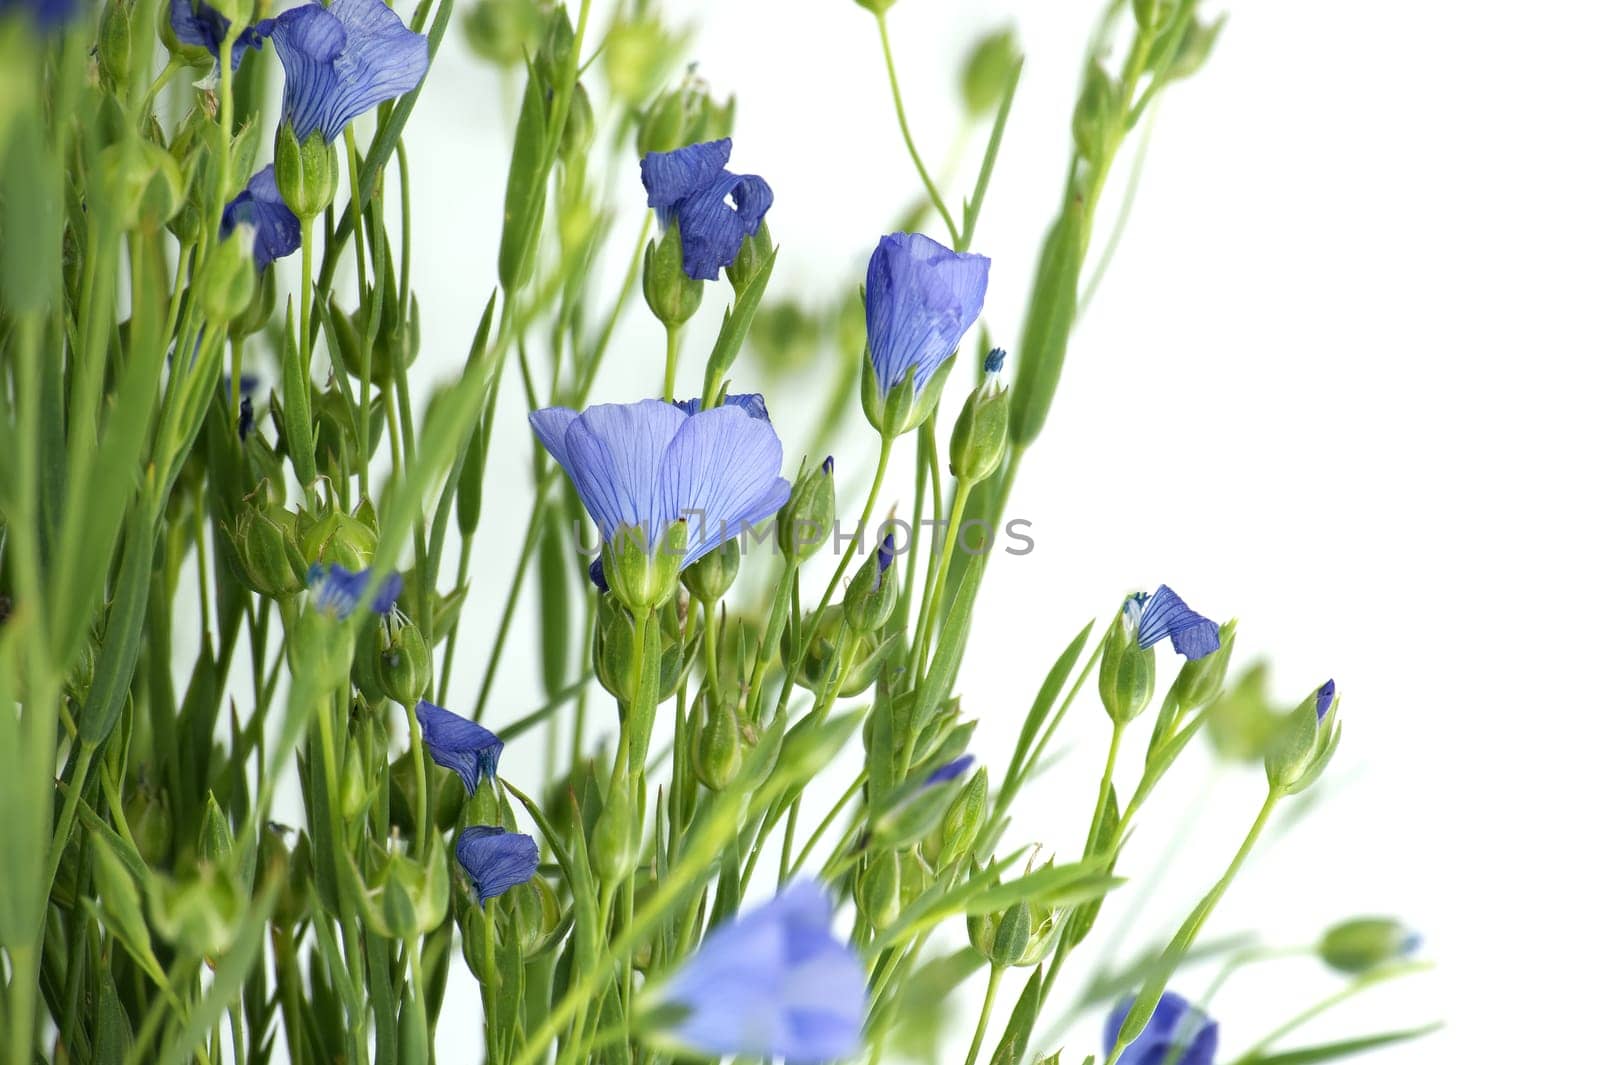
point(496, 860)
point(645, 465)
point(1163, 615)
point(198, 23)
point(337, 590)
point(921, 300)
point(715, 210)
point(342, 60)
point(465, 747)
point(773, 983)
point(260, 205)
point(1178, 1034)
point(752, 403)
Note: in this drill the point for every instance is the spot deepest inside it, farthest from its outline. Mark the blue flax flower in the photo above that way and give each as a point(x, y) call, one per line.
point(921, 300)
point(337, 589)
point(692, 185)
point(773, 983)
point(645, 465)
point(342, 60)
point(48, 14)
point(197, 23)
point(1178, 1034)
point(1325, 696)
point(496, 860)
point(752, 403)
point(465, 747)
point(1162, 615)
point(260, 205)
point(949, 771)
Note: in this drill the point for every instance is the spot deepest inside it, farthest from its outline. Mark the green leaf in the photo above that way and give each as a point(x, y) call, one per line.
point(1343, 1049)
point(525, 190)
point(1052, 307)
point(124, 632)
point(941, 676)
point(1014, 1042)
point(735, 327)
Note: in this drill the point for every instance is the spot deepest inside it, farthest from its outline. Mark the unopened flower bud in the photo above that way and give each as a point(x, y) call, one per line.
point(719, 748)
point(644, 576)
point(503, 31)
point(578, 134)
point(1364, 943)
point(1127, 672)
point(978, 441)
point(149, 817)
point(1200, 680)
point(1305, 742)
point(806, 520)
point(709, 579)
point(673, 295)
point(1097, 116)
point(614, 847)
point(216, 836)
point(753, 254)
point(638, 51)
point(962, 820)
point(307, 172)
point(404, 664)
point(825, 656)
point(114, 47)
point(871, 597)
point(877, 889)
point(201, 913)
point(683, 115)
point(141, 184)
point(1153, 15)
point(336, 538)
point(1002, 938)
point(228, 283)
point(268, 551)
point(987, 71)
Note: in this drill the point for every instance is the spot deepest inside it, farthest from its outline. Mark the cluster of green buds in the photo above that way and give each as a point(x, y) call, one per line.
point(638, 53)
point(1305, 742)
point(684, 114)
point(1018, 936)
point(612, 650)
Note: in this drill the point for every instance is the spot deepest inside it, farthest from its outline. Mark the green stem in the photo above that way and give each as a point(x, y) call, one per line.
point(905, 133)
point(930, 601)
point(490, 993)
point(674, 342)
point(995, 972)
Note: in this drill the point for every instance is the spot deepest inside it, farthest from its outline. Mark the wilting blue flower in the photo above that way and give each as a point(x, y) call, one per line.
point(949, 771)
point(921, 300)
point(47, 13)
point(1178, 1034)
point(644, 465)
point(465, 747)
point(260, 205)
point(198, 23)
point(1163, 614)
point(342, 60)
point(752, 403)
point(496, 860)
point(773, 983)
point(1325, 699)
point(338, 590)
point(692, 185)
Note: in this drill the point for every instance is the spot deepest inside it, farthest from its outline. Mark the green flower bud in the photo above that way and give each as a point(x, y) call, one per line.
point(987, 71)
point(683, 115)
point(1364, 943)
point(354, 790)
point(806, 521)
point(1097, 119)
point(753, 254)
point(978, 441)
point(903, 408)
point(1127, 673)
point(719, 749)
point(408, 898)
point(268, 551)
point(1305, 742)
point(612, 650)
point(201, 913)
point(404, 663)
point(259, 311)
point(1153, 15)
point(1195, 48)
point(962, 820)
point(307, 172)
point(229, 282)
point(673, 295)
point(877, 7)
point(1002, 938)
point(783, 334)
point(1200, 680)
point(709, 579)
point(578, 134)
point(114, 47)
point(1241, 723)
point(637, 54)
point(141, 184)
point(503, 31)
point(870, 599)
point(149, 817)
point(336, 537)
point(614, 846)
point(216, 836)
point(643, 577)
point(877, 889)
point(294, 898)
point(825, 655)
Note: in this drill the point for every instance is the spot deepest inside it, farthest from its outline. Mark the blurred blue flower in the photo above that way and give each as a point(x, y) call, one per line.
point(198, 23)
point(1325, 699)
point(692, 185)
point(949, 771)
point(1158, 616)
point(496, 860)
point(773, 983)
point(259, 205)
point(644, 465)
point(752, 403)
point(1178, 1034)
point(338, 590)
point(921, 300)
point(247, 417)
point(597, 575)
point(465, 747)
point(342, 60)
point(47, 13)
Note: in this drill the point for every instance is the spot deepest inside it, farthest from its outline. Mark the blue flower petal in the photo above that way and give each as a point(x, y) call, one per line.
point(921, 300)
point(338, 590)
point(720, 474)
point(1174, 1024)
point(496, 860)
point(1325, 696)
point(752, 403)
point(597, 575)
point(260, 205)
point(462, 746)
point(670, 176)
point(197, 23)
point(614, 455)
point(713, 230)
point(950, 770)
point(1164, 615)
point(344, 60)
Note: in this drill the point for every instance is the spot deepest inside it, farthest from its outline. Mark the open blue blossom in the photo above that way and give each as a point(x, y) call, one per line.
point(496, 860)
point(921, 300)
point(1325, 696)
point(198, 23)
point(465, 747)
point(752, 403)
point(1178, 1034)
point(260, 205)
point(343, 60)
point(773, 983)
point(949, 771)
point(1158, 616)
point(338, 590)
point(715, 210)
point(645, 465)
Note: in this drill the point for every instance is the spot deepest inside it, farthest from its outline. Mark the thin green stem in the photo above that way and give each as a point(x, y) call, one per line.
point(935, 593)
point(674, 343)
point(905, 133)
point(995, 973)
point(491, 993)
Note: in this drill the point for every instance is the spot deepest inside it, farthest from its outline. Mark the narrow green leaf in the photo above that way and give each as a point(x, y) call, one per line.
point(735, 327)
point(1344, 1048)
point(1014, 1042)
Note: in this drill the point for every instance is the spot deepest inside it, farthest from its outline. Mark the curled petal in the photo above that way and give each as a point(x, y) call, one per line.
point(713, 229)
point(496, 860)
point(464, 747)
point(752, 403)
point(260, 205)
point(670, 176)
point(344, 60)
point(1164, 615)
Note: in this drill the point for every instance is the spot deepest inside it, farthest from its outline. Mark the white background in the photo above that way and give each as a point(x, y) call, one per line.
point(1338, 383)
